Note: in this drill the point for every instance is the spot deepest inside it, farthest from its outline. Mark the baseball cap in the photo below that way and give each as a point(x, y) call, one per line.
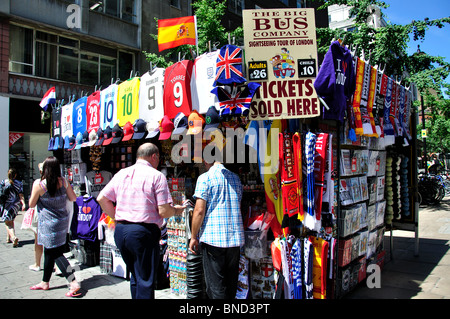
point(165, 128)
point(140, 129)
point(85, 139)
point(70, 142)
point(152, 128)
point(128, 131)
point(117, 134)
point(212, 118)
point(92, 138)
point(79, 140)
point(195, 123)
point(180, 123)
point(100, 137)
point(107, 136)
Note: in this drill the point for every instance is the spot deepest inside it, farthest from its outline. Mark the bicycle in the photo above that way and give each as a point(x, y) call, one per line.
point(430, 189)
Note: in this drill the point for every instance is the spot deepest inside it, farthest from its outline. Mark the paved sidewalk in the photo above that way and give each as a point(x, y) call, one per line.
point(405, 277)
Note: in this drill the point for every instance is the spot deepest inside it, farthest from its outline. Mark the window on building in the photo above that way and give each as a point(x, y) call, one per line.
point(21, 50)
point(175, 3)
point(66, 59)
point(122, 9)
point(236, 6)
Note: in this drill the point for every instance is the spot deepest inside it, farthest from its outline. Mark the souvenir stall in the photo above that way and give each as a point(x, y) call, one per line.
point(324, 153)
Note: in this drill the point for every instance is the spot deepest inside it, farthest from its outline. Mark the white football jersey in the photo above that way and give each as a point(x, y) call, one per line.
point(151, 95)
point(202, 82)
point(66, 120)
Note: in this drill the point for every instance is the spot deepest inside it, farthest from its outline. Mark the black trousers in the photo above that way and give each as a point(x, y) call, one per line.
point(56, 255)
point(221, 268)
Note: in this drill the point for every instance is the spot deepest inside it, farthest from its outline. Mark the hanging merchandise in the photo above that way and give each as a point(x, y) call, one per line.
point(86, 218)
point(286, 266)
point(296, 253)
point(372, 131)
point(357, 96)
point(310, 147)
point(319, 173)
point(93, 111)
point(335, 82)
point(235, 100)
point(108, 106)
point(319, 272)
point(202, 81)
point(387, 124)
point(151, 93)
point(308, 258)
point(229, 66)
point(382, 81)
point(297, 150)
point(79, 116)
point(128, 101)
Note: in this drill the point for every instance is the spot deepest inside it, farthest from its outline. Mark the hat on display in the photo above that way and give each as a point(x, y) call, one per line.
point(140, 129)
point(180, 123)
point(92, 138)
point(51, 144)
point(70, 142)
point(152, 128)
point(117, 134)
point(79, 140)
point(165, 128)
point(100, 137)
point(107, 136)
point(128, 131)
point(212, 118)
point(195, 123)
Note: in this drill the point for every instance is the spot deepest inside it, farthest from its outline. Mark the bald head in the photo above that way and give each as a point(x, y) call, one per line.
point(146, 151)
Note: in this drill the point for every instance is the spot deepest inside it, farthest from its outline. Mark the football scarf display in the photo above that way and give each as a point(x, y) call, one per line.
point(296, 255)
point(401, 110)
point(387, 125)
point(319, 172)
point(357, 95)
point(229, 66)
point(319, 272)
point(308, 257)
point(289, 183)
point(297, 148)
point(407, 113)
point(286, 265)
point(382, 80)
point(310, 148)
point(235, 100)
point(328, 189)
point(364, 100)
point(371, 131)
point(394, 107)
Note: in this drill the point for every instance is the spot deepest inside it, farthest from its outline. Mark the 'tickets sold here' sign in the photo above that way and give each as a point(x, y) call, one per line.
point(281, 55)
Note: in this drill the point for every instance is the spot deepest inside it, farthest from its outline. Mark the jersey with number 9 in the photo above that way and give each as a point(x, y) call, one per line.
point(177, 89)
point(151, 93)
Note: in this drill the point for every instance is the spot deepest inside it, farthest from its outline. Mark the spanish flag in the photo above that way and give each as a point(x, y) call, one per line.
point(177, 31)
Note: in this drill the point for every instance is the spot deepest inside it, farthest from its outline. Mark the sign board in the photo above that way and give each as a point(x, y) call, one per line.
point(424, 133)
point(281, 55)
point(14, 137)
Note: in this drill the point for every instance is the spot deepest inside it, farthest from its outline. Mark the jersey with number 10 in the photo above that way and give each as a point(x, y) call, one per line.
point(93, 111)
point(151, 94)
point(128, 101)
point(108, 106)
point(177, 89)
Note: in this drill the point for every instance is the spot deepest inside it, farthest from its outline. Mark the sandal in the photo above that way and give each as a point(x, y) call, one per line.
point(73, 293)
point(16, 242)
point(37, 287)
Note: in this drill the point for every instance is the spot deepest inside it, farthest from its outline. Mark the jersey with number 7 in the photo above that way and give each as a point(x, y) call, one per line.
point(128, 101)
point(177, 88)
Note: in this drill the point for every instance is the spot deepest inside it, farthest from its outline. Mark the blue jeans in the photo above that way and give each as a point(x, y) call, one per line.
point(139, 246)
point(221, 268)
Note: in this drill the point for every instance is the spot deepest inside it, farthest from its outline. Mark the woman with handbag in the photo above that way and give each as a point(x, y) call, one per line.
point(49, 195)
point(12, 189)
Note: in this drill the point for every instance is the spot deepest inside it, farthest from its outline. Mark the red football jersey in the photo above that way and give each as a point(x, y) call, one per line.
point(177, 89)
point(93, 111)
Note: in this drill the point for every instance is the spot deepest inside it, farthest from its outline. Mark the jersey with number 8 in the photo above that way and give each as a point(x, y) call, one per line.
point(128, 101)
point(177, 89)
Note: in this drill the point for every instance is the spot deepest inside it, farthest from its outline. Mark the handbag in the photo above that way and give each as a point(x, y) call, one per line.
point(28, 218)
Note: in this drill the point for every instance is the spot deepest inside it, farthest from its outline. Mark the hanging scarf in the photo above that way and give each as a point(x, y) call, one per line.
point(310, 146)
point(357, 96)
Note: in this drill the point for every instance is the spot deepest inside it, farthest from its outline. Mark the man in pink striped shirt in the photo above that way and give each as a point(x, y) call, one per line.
point(142, 200)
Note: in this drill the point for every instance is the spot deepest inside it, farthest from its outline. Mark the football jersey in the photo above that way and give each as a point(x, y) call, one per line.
point(202, 82)
point(93, 111)
point(128, 101)
point(79, 115)
point(66, 120)
point(151, 94)
point(56, 121)
point(177, 88)
point(95, 182)
point(108, 106)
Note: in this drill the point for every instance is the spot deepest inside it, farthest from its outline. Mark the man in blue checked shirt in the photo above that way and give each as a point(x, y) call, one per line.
point(217, 220)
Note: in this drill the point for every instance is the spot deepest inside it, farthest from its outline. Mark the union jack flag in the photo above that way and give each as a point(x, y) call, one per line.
point(229, 65)
point(236, 102)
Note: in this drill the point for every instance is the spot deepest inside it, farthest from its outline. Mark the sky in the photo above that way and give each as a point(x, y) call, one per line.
point(437, 41)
